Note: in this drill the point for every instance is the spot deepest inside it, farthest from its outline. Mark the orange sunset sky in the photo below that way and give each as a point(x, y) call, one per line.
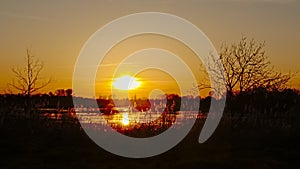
point(57, 30)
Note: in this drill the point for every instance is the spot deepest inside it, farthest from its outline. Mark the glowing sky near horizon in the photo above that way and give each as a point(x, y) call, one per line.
point(56, 31)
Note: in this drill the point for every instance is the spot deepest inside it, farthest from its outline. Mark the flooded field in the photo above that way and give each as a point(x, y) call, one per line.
point(125, 121)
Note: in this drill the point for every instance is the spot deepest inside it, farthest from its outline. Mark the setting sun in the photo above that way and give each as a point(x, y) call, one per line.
point(126, 83)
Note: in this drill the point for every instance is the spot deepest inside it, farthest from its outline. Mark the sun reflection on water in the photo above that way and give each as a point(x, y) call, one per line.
point(125, 119)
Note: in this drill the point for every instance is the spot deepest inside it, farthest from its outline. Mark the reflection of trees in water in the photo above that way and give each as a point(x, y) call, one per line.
point(147, 129)
point(168, 111)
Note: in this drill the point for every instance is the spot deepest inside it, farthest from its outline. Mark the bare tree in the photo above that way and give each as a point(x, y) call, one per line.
point(246, 67)
point(27, 79)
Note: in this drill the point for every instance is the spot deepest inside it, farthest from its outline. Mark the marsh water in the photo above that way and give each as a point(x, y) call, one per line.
point(124, 118)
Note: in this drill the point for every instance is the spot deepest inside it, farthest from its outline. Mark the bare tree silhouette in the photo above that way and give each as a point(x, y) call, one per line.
point(27, 79)
point(246, 67)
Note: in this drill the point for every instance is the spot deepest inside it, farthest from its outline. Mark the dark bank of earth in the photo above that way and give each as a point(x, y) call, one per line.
point(46, 144)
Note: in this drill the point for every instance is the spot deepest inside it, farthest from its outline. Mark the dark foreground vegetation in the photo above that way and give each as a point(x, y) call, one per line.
point(259, 129)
